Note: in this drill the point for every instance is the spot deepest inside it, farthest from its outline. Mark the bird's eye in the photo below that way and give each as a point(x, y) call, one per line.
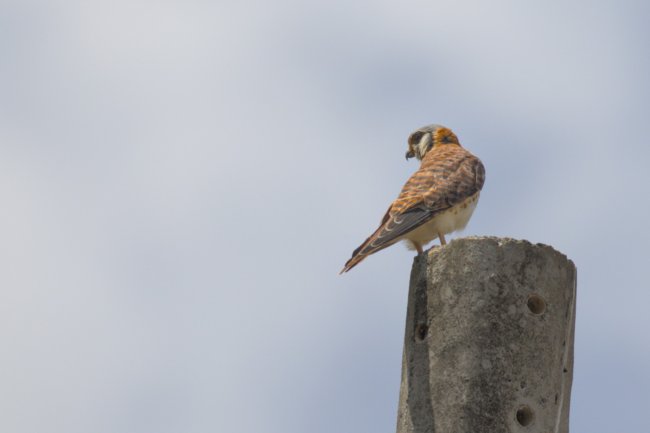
point(416, 137)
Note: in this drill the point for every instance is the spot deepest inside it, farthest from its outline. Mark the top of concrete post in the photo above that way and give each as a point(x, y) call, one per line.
point(489, 339)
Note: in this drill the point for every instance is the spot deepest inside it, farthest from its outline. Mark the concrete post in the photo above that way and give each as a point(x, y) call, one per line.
point(489, 339)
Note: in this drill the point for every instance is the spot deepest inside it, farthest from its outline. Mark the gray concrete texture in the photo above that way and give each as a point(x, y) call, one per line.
point(488, 346)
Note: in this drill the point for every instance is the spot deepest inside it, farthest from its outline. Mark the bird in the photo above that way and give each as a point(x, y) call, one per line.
point(438, 199)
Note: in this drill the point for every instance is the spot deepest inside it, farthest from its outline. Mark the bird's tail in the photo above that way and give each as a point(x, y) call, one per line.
point(354, 260)
point(368, 246)
point(363, 251)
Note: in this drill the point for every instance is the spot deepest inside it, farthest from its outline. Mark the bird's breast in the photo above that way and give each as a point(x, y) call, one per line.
point(448, 221)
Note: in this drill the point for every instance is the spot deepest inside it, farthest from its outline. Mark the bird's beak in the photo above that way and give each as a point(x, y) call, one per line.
point(409, 154)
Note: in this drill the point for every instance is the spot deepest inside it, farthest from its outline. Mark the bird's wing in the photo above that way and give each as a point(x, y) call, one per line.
point(445, 179)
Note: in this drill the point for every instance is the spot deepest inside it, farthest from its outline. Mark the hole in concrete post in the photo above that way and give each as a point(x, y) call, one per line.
point(536, 304)
point(524, 416)
point(421, 332)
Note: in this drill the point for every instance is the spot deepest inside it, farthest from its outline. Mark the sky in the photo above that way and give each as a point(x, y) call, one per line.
point(182, 181)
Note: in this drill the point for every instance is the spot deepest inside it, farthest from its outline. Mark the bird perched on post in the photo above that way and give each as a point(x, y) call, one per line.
point(437, 199)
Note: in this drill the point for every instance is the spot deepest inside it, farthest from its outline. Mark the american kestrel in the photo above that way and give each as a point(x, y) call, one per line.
point(437, 199)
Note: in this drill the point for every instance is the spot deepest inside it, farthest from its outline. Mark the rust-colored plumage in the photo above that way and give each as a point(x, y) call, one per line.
point(437, 199)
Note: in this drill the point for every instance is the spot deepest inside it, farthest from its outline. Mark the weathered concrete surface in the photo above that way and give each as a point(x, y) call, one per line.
point(489, 339)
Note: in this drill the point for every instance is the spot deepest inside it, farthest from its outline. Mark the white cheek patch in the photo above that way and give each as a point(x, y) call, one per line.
point(423, 145)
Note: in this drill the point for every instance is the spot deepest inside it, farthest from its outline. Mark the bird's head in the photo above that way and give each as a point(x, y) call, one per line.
point(426, 138)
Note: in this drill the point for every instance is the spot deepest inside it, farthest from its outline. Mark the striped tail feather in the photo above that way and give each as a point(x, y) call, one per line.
point(363, 251)
point(392, 230)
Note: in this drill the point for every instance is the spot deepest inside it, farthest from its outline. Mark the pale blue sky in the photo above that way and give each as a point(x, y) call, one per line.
point(182, 182)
